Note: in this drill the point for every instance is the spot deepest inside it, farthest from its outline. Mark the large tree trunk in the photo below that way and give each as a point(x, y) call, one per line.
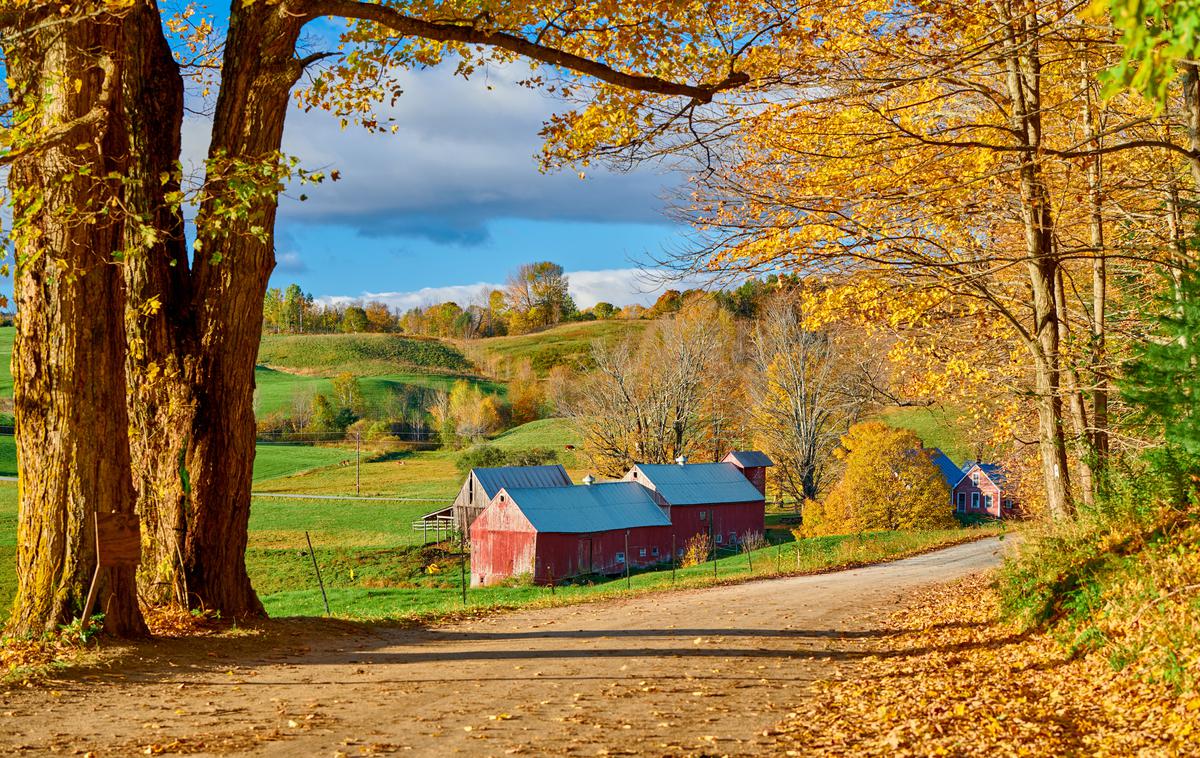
point(1023, 79)
point(1097, 354)
point(232, 266)
point(68, 356)
point(158, 319)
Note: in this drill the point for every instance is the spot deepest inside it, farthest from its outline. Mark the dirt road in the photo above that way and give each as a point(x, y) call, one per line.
point(686, 672)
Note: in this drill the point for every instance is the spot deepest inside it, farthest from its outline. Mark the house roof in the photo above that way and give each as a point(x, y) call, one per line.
point(699, 483)
point(495, 479)
point(749, 459)
point(580, 509)
point(950, 470)
point(992, 471)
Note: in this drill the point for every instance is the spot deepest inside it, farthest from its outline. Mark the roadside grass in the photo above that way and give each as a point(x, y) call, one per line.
point(936, 427)
point(564, 345)
point(364, 594)
point(363, 353)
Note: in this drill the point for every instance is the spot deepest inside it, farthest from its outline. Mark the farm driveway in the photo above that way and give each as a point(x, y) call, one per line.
point(685, 672)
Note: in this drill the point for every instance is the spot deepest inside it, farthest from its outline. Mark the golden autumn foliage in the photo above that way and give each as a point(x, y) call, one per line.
point(953, 679)
point(888, 482)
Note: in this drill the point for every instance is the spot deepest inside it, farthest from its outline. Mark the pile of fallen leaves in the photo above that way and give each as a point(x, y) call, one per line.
point(174, 621)
point(947, 677)
point(20, 657)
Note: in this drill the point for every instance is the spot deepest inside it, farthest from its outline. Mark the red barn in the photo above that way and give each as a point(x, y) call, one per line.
point(552, 533)
point(983, 490)
point(725, 500)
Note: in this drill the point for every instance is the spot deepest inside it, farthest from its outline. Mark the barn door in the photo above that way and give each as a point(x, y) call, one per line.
point(585, 556)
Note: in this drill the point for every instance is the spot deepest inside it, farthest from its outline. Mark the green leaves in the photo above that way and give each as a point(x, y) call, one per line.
point(1157, 36)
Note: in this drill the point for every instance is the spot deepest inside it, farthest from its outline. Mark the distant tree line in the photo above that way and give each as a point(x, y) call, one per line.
point(536, 297)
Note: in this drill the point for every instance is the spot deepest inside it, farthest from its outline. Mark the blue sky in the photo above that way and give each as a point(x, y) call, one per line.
point(455, 200)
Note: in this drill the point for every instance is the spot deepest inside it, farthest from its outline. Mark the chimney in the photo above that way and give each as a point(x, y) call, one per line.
point(589, 480)
point(681, 460)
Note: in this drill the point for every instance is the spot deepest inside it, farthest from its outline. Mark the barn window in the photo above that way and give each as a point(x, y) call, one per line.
point(680, 552)
point(719, 537)
point(703, 515)
point(974, 501)
point(733, 538)
point(641, 552)
point(620, 557)
point(654, 552)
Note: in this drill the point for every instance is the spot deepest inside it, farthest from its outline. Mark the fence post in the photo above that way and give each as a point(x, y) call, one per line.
point(749, 560)
point(317, 568)
point(779, 558)
point(550, 573)
point(628, 581)
point(672, 557)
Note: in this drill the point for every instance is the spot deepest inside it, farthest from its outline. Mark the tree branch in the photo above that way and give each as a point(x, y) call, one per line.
point(472, 34)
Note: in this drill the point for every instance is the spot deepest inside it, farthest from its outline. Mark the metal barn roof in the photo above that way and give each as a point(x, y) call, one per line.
point(700, 483)
point(750, 459)
point(950, 470)
point(586, 508)
point(495, 479)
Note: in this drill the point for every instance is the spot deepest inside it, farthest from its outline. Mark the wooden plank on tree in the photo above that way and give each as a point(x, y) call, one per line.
point(119, 539)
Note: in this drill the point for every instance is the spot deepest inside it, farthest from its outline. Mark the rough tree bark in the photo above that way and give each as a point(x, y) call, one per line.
point(159, 326)
point(68, 371)
point(1023, 74)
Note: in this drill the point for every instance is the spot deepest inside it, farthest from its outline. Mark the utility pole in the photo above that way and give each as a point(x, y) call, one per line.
point(357, 463)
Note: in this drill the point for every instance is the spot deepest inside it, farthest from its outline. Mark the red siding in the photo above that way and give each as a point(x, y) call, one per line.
point(502, 544)
point(985, 487)
point(565, 555)
point(721, 518)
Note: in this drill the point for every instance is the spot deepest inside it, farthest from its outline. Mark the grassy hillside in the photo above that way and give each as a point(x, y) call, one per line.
point(936, 427)
point(363, 354)
point(568, 344)
point(279, 391)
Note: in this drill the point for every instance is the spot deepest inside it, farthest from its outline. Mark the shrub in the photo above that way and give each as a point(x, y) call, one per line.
point(696, 550)
point(490, 456)
point(889, 482)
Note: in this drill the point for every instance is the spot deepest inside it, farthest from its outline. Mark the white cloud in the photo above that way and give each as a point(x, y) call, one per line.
point(619, 286)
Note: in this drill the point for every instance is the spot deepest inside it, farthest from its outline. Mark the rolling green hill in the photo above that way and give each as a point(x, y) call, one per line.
point(279, 391)
point(361, 354)
point(936, 427)
point(566, 344)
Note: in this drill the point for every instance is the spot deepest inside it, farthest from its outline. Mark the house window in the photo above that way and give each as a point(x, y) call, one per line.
point(641, 552)
point(654, 552)
point(974, 501)
point(1007, 504)
point(719, 536)
point(987, 503)
point(962, 501)
point(703, 515)
point(975, 478)
point(620, 557)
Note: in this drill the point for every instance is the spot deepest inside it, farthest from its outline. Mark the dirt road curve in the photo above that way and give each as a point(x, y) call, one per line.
point(692, 671)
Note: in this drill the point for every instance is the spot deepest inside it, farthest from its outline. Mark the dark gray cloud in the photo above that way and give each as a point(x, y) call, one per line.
point(463, 156)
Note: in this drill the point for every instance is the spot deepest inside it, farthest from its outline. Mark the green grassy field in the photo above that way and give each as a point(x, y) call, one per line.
point(279, 391)
point(6, 346)
point(567, 344)
point(390, 471)
point(936, 427)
